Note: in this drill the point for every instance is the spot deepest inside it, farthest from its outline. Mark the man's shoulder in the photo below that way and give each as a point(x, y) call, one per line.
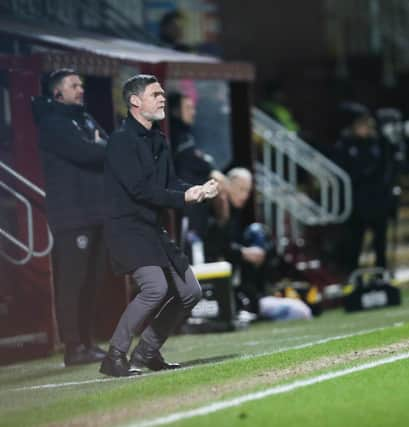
point(57, 121)
point(120, 134)
point(125, 132)
point(119, 139)
point(53, 116)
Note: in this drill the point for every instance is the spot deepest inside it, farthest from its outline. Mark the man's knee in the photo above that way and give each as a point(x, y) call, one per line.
point(156, 292)
point(196, 294)
point(153, 286)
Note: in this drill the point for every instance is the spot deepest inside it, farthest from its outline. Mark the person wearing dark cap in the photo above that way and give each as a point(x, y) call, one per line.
point(140, 183)
point(72, 146)
point(360, 152)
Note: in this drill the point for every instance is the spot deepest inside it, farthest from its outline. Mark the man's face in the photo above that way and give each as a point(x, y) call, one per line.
point(187, 110)
point(152, 102)
point(239, 190)
point(70, 91)
point(364, 128)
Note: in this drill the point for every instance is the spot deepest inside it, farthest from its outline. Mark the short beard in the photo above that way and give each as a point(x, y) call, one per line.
point(160, 115)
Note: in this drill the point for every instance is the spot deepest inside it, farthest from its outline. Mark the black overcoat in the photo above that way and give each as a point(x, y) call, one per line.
point(140, 183)
point(73, 164)
point(368, 163)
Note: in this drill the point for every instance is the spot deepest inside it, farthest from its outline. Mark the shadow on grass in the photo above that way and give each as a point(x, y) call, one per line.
point(208, 360)
point(44, 373)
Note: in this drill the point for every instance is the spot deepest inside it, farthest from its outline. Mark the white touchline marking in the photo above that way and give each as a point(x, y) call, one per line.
point(249, 356)
point(316, 342)
point(70, 383)
point(285, 388)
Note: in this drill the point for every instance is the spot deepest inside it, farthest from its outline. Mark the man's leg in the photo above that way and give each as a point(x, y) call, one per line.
point(252, 284)
point(70, 256)
point(96, 268)
point(184, 295)
point(353, 239)
point(153, 288)
point(69, 276)
point(379, 228)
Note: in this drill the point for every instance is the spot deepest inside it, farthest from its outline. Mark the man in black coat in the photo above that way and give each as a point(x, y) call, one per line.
point(73, 152)
point(139, 184)
point(361, 153)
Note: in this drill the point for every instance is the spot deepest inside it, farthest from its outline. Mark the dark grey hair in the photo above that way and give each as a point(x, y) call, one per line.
point(136, 85)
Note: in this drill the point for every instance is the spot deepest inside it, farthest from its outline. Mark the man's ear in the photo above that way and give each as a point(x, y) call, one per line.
point(57, 94)
point(135, 101)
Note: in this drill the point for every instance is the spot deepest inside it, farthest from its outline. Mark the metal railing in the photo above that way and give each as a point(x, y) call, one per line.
point(28, 246)
point(277, 180)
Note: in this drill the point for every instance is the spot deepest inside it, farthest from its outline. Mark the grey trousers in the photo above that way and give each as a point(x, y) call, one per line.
point(162, 302)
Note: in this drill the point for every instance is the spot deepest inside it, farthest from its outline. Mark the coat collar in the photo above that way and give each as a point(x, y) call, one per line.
point(141, 130)
point(43, 106)
point(153, 138)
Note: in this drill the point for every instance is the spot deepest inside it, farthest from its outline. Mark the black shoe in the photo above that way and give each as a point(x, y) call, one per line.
point(115, 364)
point(80, 355)
point(154, 362)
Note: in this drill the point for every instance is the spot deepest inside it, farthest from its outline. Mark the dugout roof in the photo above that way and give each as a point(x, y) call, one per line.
point(103, 53)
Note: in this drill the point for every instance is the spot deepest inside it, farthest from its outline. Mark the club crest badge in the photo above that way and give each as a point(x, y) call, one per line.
point(82, 242)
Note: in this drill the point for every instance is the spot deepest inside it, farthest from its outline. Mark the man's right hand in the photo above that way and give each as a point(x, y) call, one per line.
point(98, 139)
point(195, 194)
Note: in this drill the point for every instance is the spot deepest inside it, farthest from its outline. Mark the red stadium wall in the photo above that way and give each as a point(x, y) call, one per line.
point(28, 327)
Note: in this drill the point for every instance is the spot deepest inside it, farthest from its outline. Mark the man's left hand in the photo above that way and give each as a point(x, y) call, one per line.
point(211, 189)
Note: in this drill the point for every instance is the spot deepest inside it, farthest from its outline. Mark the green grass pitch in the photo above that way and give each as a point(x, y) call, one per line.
point(222, 367)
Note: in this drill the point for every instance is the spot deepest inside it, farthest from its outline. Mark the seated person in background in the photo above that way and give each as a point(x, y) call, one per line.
point(191, 164)
point(225, 236)
point(283, 308)
point(249, 249)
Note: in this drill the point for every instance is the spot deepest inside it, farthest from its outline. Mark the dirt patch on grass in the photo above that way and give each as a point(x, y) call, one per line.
point(165, 405)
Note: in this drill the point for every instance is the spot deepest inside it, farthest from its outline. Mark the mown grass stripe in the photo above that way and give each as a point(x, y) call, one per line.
point(282, 350)
point(121, 401)
point(285, 388)
point(318, 342)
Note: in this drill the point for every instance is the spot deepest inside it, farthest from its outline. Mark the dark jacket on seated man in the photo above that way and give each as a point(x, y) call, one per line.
point(230, 240)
